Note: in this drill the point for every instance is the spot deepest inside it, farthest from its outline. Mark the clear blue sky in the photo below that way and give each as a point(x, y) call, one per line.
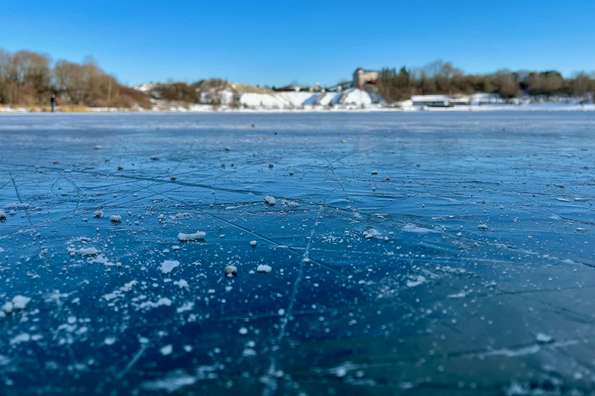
point(277, 42)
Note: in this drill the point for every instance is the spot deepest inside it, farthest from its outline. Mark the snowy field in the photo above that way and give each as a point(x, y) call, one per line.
point(297, 254)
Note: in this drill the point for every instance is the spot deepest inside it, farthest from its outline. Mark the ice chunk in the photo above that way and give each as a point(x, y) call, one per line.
point(270, 200)
point(253, 243)
point(264, 268)
point(23, 337)
point(182, 284)
point(372, 233)
point(8, 307)
point(116, 219)
point(20, 302)
point(196, 236)
point(231, 271)
point(415, 281)
point(168, 266)
point(89, 251)
point(415, 229)
point(170, 383)
point(17, 303)
point(543, 338)
point(166, 350)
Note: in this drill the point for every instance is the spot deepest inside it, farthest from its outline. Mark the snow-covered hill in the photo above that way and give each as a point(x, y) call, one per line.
point(351, 98)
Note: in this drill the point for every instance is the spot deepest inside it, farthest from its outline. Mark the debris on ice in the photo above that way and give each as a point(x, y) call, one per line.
point(116, 219)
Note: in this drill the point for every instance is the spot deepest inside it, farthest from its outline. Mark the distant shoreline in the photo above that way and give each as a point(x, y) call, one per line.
point(547, 107)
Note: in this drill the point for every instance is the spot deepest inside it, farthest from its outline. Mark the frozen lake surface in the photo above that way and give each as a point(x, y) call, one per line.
point(373, 254)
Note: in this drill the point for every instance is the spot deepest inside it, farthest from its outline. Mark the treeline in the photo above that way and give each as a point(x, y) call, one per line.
point(30, 79)
point(443, 78)
point(179, 91)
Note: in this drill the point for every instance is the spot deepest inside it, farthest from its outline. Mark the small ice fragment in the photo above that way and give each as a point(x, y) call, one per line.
point(109, 341)
point(23, 337)
point(371, 233)
point(248, 352)
point(253, 243)
point(170, 383)
point(2, 215)
point(116, 219)
point(270, 200)
point(168, 266)
point(166, 350)
point(98, 214)
point(415, 281)
point(231, 271)
point(374, 172)
point(264, 268)
point(243, 331)
point(196, 236)
point(415, 229)
point(182, 284)
point(461, 294)
point(483, 227)
point(88, 252)
point(7, 307)
point(20, 302)
point(542, 338)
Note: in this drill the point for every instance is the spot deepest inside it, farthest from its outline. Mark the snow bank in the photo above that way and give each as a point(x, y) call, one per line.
point(300, 100)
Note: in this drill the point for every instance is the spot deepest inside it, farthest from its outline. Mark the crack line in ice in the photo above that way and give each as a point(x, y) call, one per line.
point(132, 362)
point(270, 379)
point(16, 190)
